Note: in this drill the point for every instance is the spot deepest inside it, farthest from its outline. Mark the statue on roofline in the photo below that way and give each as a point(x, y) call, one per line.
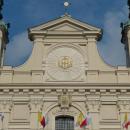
point(129, 7)
point(1, 4)
point(128, 2)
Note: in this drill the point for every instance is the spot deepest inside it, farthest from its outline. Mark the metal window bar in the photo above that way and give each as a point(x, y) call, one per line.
point(64, 123)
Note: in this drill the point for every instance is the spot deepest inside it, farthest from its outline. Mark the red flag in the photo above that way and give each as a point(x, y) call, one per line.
point(43, 123)
point(127, 124)
point(84, 123)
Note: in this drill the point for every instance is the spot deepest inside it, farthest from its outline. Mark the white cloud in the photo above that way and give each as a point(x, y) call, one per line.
point(18, 50)
point(111, 48)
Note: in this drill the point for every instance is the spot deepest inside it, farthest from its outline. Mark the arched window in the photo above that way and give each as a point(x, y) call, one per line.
point(64, 123)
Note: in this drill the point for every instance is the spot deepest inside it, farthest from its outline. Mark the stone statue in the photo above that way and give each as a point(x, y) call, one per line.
point(1, 4)
point(129, 7)
point(128, 2)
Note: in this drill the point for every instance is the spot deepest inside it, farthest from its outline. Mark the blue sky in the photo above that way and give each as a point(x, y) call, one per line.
point(106, 14)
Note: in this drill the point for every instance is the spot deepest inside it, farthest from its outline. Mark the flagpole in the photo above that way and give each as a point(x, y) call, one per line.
point(37, 125)
point(121, 121)
point(92, 125)
point(2, 120)
point(2, 124)
point(37, 122)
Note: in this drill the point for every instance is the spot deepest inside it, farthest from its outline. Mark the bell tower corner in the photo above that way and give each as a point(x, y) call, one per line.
point(3, 35)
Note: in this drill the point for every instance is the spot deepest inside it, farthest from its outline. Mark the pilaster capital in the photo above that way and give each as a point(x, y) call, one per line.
point(91, 39)
point(36, 105)
point(6, 105)
point(93, 105)
point(124, 105)
point(38, 38)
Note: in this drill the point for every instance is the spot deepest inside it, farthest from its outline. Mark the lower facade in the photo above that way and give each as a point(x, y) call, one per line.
point(64, 107)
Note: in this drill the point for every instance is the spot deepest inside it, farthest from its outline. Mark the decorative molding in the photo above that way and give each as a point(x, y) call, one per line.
point(64, 112)
point(22, 89)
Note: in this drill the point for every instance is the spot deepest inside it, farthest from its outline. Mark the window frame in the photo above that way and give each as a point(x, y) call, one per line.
point(64, 122)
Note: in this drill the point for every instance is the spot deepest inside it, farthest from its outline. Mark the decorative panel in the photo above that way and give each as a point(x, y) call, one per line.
point(109, 112)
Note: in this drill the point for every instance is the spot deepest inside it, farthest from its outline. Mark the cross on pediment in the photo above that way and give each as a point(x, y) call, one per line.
point(66, 6)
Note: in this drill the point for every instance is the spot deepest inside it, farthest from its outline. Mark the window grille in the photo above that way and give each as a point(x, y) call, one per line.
point(64, 123)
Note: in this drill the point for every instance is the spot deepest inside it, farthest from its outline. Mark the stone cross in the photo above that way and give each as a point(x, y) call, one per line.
point(66, 5)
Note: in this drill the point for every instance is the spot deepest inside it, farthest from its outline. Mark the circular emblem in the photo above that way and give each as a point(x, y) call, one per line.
point(65, 62)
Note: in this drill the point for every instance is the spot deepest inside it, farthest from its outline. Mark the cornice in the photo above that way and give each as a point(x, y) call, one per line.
point(82, 84)
point(71, 87)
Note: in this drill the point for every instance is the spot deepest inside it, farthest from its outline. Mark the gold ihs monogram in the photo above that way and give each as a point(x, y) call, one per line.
point(65, 62)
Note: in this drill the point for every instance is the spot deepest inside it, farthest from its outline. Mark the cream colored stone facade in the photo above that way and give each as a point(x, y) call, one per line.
point(64, 75)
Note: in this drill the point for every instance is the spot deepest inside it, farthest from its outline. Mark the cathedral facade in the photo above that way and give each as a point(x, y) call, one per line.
point(65, 79)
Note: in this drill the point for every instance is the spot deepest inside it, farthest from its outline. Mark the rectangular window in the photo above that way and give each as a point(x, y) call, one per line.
point(64, 123)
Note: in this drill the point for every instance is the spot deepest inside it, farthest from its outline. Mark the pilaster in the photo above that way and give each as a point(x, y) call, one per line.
point(93, 107)
point(124, 107)
point(35, 106)
point(5, 110)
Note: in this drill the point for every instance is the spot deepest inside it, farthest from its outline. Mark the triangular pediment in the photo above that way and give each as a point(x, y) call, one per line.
point(65, 23)
point(65, 27)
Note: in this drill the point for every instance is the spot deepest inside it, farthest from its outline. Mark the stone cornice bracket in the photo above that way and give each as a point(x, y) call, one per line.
point(64, 100)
